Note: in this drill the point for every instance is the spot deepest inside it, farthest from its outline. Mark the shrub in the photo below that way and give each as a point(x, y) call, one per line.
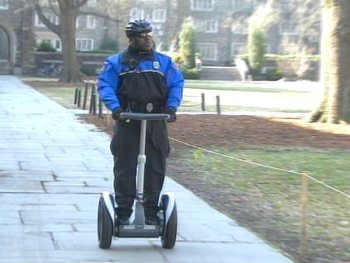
point(192, 73)
point(188, 44)
point(256, 47)
point(109, 44)
point(46, 47)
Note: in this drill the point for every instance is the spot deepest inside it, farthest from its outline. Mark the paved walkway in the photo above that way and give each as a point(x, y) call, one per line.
point(52, 169)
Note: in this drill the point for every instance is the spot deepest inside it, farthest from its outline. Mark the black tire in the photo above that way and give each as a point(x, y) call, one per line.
point(168, 237)
point(104, 226)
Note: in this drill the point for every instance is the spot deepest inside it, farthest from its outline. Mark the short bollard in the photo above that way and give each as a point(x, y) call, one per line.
point(203, 101)
point(76, 96)
point(85, 95)
point(100, 107)
point(92, 108)
point(79, 98)
point(218, 109)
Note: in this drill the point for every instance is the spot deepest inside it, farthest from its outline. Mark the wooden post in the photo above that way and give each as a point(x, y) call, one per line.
point(79, 98)
point(304, 218)
point(203, 101)
point(85, 95)
point(100, 107)
point(218, 109)
point(93, 99)
point(76, 96)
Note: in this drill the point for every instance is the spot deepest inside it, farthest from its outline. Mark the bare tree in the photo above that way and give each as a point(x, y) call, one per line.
point(335, 63)
point(67, 11)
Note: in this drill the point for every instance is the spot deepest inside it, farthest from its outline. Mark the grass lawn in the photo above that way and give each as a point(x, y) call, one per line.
point(269, 201)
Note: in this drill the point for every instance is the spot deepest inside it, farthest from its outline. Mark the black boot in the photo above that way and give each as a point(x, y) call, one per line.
point(121, 221)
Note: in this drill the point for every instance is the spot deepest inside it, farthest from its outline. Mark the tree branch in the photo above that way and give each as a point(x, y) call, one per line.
point(53, 8)
point(63, 3)
point(54, 28)
point(101, 15)
point(80, 3)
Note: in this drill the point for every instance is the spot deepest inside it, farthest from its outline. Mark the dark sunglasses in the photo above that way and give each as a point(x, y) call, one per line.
point(144, 35)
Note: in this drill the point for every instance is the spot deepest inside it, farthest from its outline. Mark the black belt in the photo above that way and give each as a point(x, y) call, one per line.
point(154, 107)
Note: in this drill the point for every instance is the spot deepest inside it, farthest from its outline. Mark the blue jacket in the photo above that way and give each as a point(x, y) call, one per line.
point(125, 77)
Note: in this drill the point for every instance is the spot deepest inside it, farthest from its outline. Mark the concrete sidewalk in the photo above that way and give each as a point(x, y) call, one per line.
point(52, 169)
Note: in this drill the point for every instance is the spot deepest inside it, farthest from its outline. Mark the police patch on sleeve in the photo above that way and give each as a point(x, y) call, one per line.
point(104, 67)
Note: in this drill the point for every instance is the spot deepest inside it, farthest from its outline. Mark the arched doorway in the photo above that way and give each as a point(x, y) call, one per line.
point(4, 52)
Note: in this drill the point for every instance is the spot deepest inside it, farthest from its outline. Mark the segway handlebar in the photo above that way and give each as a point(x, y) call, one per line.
point(144, 116)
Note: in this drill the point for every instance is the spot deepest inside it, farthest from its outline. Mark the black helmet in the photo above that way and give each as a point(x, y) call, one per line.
point(137, 26)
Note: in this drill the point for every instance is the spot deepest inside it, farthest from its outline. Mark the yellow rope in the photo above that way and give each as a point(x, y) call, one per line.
point(263, 165)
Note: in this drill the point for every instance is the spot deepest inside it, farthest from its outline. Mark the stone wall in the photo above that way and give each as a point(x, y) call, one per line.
point(90, 63)
point(17, 23)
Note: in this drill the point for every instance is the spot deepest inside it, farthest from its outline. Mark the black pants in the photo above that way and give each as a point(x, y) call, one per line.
point(125, 148)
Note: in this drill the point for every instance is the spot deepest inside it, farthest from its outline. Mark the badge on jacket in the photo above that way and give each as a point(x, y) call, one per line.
point(156, 65)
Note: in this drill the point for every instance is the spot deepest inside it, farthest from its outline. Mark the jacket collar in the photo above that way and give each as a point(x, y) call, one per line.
point(136, 54)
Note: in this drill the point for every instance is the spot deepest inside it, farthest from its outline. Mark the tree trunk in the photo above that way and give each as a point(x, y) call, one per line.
point(335, 63)
point(70, 72)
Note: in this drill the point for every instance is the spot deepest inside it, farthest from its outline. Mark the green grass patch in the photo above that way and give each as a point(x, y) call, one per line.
point(268, 200)
point(62, 95)
point(231, 85)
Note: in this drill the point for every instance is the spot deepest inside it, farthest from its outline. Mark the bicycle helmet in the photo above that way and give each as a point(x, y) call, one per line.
point(137, 27)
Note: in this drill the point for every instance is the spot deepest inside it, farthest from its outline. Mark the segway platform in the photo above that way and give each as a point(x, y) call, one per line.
point(107, 226)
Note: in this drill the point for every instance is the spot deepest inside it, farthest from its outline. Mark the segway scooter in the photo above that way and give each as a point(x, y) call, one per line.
point(106, 218)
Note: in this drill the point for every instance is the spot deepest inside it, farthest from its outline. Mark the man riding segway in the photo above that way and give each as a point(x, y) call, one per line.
point(140, 80)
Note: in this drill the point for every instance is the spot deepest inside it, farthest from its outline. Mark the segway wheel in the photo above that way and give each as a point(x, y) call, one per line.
point(168, 237)
point(104, 225)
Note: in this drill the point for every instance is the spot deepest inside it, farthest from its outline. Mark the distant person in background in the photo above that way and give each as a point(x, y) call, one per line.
point(243, 68)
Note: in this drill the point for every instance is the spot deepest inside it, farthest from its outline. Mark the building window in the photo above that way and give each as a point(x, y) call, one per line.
point(52, 18)
point(84, 44)
point(288, 28)
point(208, 51)
point(136, 14)
point(78, 22)
point(86, 22)
point(90, 22)
point(211, 26)
point(241, 27)
point(38, 22)
point(57, 45)
point(206, 26)
point(202, 5)
point(4, 4)
point(238, 48)
point(159, 15)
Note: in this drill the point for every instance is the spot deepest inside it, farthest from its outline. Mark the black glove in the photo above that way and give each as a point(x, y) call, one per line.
point(116, 113)
point(172, 112)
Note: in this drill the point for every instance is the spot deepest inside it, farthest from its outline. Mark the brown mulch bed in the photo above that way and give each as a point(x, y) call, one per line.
point(230, 131)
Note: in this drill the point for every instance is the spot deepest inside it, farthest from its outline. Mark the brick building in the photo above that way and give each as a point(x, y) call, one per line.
point(221, 28)
point(16, 36)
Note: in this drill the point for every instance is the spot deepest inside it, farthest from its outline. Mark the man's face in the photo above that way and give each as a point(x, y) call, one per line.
point(143, 41)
